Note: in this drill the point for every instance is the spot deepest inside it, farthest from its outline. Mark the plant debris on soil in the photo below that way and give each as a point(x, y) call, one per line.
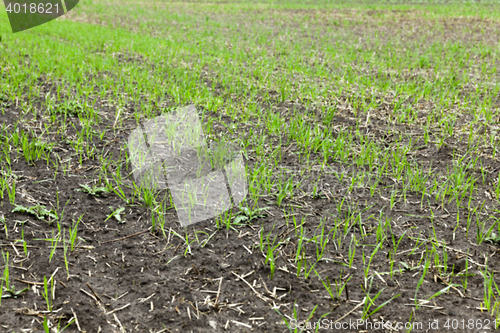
point(369, 135)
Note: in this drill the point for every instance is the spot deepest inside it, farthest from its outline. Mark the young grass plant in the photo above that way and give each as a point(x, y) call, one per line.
point(296, 326)
point(8, 290)
point(302, 264)
point(248, 214)
point(369, 302)
point(54, 241)
point(270, 255)
point(340, 285)
point(420, 282)
point(47, 326)
point(65, 254)
point(47, 292)
point(352, 250)
point(73, 231)
point(366, 268)
point(11, 191)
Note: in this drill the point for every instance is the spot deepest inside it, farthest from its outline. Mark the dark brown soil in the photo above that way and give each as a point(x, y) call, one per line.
point(153, 282)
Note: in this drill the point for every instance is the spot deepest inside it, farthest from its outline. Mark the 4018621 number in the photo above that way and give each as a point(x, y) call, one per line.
point(471, 324)
point(32, 8)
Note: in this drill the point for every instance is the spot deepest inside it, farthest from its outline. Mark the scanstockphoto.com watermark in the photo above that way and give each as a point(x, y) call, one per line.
point(170, 151)
point(448, 324)
point(359, 324)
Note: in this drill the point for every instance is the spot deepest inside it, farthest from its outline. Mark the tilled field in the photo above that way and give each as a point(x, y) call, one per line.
point(369, 137)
